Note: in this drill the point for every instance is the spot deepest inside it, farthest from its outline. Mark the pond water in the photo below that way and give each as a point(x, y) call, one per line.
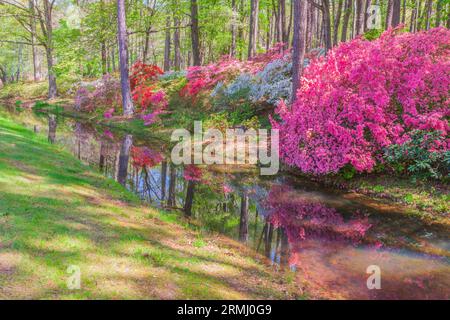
point(324, 240)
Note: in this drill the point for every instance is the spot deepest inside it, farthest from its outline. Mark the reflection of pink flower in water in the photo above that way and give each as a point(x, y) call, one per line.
point(145, 157)
point(192, 173)
point(304, 219)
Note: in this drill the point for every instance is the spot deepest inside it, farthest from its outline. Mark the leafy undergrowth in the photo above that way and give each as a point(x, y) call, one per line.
point(56, 212)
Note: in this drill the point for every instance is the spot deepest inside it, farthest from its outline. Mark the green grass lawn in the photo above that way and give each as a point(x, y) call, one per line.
point(56, 212)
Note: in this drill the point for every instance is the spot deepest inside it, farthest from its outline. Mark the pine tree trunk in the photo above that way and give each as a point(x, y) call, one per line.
point(360, 17)
point(326, 24)
point(337, 22)
point(128, 108)
point(298, 44)
point(167, 46)
point(233, 29)
point(347, 13)
point(176, 44)
point(189, 198)
point(253, 33)
point(52, 89)
point(195, 38)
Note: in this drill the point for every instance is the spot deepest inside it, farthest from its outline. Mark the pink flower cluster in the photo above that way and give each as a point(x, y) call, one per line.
point(206, 77)
point(365, 96)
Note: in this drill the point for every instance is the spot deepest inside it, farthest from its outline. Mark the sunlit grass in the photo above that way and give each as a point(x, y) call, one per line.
point(56, 212)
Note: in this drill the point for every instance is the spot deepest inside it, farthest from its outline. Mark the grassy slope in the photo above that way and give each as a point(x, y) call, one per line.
point(56, 212)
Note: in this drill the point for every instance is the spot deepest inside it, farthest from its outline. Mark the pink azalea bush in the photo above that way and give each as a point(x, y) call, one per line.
point(364, 97)
point(207, 77)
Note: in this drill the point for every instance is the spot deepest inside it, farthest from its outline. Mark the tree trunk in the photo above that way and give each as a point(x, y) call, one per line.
point(298, 44)
point(52, 89)
point(167, 46)
point(253, 33)
point(127, 103)
point(103, 49)
point(34, 51)
point(348, 12)
point(429, 8)
point(284, 29)
point(124, 158)
point(396, 13)
point(176, 44)
point(163, 179)
point(439, 12)
point(233, 29)
point(326, 24)
point(360, 17)
point(172, 184)
point(337, 22)
point(195, 34)
point(243, 224)
point(189, 198)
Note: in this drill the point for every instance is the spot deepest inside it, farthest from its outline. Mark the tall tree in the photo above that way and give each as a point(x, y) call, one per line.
point(337, 21)
point(347, 14)
point(122, 36)
point(360, 16)
point(167, 46)
point(195, 37)
point(253, 32)
point(298, 44)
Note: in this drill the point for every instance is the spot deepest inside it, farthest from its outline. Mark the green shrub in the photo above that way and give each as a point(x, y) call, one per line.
point(423, 156)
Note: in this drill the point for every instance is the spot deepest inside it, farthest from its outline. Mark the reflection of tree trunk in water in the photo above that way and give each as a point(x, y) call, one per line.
point(163, 179)
point(101, 162)
point(243, 225)
point(268, 240)
point(52, 124)
point(172, 184)
point(123, 159)
point(284, 252)
point(189, 198)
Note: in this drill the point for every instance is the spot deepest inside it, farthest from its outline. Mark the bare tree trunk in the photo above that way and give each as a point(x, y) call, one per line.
point(163, 179)
point(360, 17)
point(233, 29)
point(347, 13)
point(253, 33)
point(128, 108)
point(404, 12)
point(337, 22)
point(396, 13)
point(243, 224)
point(189, 198)
point(172, 184)
point(52, 89)
point(326, 24)
point(103, 49)
point(298, 44)
point(429, 8)
point(167, 46)
point(284, 29)
point(34, 52)
point(195, 34)
point(176, 44)
point(439, 12)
